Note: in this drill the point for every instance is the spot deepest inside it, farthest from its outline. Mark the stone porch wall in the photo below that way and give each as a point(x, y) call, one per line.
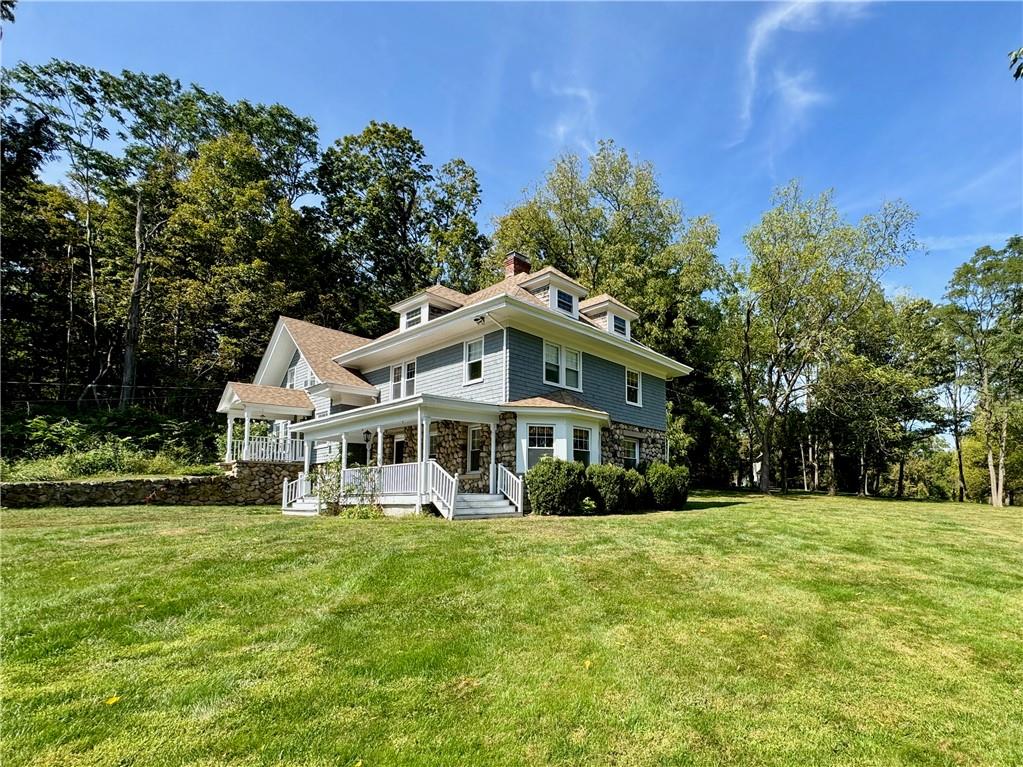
point(242, 484)
point(651, 443)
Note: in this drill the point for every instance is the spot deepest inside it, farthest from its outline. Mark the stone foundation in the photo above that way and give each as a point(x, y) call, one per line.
point(651, 443)
point(242, 484)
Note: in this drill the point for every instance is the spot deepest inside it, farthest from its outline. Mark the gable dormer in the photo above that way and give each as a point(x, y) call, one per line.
point(557, 290)
point(428, 304)
point(610, 314)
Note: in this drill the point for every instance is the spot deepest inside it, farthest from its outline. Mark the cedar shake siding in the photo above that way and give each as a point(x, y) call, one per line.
point(603, 383)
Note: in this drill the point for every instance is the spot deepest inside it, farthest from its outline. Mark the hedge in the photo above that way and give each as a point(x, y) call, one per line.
point(556, 487)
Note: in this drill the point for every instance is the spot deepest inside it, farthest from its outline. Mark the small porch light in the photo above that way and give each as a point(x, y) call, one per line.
point(367, 436)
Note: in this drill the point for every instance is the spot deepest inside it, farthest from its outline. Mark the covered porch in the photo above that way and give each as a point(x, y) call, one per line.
point(420, 450)
point(251, 403)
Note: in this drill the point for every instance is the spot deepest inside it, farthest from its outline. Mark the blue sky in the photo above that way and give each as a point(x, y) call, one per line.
point(728, 100)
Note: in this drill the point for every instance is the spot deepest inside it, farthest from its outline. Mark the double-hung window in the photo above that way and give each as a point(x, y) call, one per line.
point(581, 446)
point(633, 387)
point(630, 453)
point(562, 366)
point(566, 301)
point(289, 379)
point(540, 443)
point(475, 449)
point(403, 380)
point(474, 361)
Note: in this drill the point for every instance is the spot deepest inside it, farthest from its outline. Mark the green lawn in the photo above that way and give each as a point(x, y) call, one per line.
point(743, 631)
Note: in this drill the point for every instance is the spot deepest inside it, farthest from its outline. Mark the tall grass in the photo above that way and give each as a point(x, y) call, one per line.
point(111, 458)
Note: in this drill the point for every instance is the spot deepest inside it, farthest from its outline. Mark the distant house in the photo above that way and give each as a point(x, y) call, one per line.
point(481, 386)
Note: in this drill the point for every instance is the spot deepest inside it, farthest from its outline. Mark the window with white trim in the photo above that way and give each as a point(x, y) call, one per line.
point(581, 445)
point(620, 325)
point(565, 301)
point(562, 366)
point(474, 361)
point(289, 379)
point(630, 453)
point(474, 449)
point(403, 380)
point(413, 317)
point(539, 444)
point(633, 387)
point(399, 448)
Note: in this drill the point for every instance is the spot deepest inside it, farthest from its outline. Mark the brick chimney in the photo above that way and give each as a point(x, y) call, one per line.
point(516, 263)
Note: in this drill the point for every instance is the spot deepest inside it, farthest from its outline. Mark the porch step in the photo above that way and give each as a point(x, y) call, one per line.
point(483, 506)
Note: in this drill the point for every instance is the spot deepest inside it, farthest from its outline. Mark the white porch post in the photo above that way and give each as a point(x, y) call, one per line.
point(308, 455)
point(245, 443)
point(230, 437)
point(344, 452)
point(493, 458)
point(380, 446)
point(419, 458)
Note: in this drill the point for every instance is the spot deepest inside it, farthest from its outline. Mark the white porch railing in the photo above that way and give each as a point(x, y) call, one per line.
point(510, 485)
point(297, 489)
point(441, 488)
point(269, 449)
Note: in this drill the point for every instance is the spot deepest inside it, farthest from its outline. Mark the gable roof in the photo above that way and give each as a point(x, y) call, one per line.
point(319, 346)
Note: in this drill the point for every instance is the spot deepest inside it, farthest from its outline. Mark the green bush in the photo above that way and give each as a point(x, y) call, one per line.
point(111, 458)
point(608, 488)
point(668, 485)
point(637, 492)
point(556, 487)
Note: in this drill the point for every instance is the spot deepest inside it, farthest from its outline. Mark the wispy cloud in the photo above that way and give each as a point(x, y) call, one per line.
point(575, 122)
point(965, 241)
point(794, 91)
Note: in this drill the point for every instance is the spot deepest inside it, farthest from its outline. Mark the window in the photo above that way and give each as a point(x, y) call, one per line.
point(289, 379)
point(432, 453)
point(566, 301)
point(540, 443)
point(475, 448)
point(581, 446)
point(621, 327)
point(410, 378)
point(396, 382)
point(413, 317)
point(572, 367)
point(630, 453)
point(403, 380)
point(551, 364)
point(474, 361)
point(562, 367)
point(633, 387)
point(399, 449)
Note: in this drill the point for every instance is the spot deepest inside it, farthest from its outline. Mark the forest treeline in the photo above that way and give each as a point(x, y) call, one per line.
point(153, 232)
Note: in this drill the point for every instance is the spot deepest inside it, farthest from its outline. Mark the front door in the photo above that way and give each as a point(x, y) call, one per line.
point(399, 450)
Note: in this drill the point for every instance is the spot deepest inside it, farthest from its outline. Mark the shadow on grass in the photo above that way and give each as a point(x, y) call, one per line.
point(693, 505)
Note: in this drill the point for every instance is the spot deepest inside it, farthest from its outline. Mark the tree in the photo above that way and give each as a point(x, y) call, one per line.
point(809, 273)
point(985, 299)
point(1016, 63)
point(386, 213)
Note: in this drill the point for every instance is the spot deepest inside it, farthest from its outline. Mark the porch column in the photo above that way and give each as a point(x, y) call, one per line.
point(380, 446)
point(493, 458)
point(419, 458)
point(230, 437)
point(344, 452)
point(245, 442)
point(308, 455)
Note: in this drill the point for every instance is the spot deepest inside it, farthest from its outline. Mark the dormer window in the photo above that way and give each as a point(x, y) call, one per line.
point(566, 301)
point(413, 317)
point(620, 325)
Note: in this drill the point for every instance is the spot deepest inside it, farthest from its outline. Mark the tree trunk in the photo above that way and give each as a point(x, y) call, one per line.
point(959, 458)
point(862, 490)
point(131, 334)
point(802, 459)
point(765, 460)
point(902, 477)
point(832, 474)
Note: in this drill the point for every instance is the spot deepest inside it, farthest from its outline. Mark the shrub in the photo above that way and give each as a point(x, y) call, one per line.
point(637, 492)
point(608, 487)
point(556, 487)
point(669, 485)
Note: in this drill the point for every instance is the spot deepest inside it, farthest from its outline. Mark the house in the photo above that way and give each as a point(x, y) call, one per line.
point(482, 386)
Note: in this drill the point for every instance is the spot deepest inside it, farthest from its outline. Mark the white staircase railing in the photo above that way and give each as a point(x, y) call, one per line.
point(269, 449)
point(295, 490)
point(510, 485)
point(441, 488)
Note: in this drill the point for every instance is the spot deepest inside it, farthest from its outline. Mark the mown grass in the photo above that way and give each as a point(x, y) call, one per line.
point(745, 631)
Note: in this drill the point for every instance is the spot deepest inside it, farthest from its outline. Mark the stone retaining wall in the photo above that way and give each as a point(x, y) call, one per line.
point(242, 484)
